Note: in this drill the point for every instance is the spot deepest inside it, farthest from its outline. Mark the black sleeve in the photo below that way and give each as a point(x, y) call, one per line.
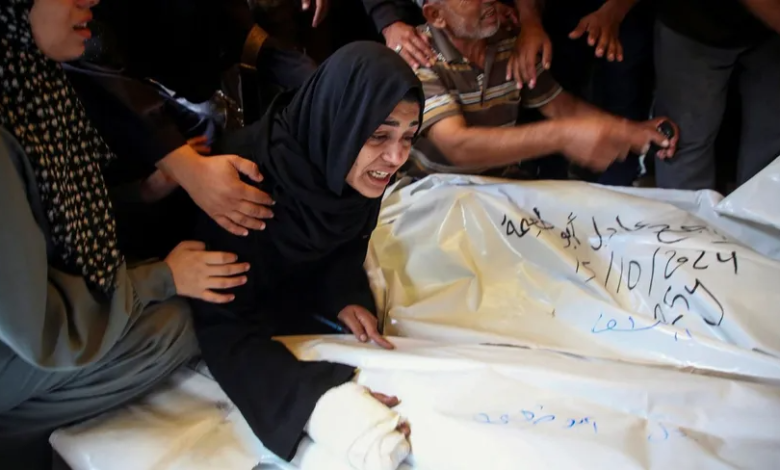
point(386, 12)
point(134, 118)
point(342, 280)
point(275, 392)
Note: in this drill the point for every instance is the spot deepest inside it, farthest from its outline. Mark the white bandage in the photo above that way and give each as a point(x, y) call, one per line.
point(351, 423)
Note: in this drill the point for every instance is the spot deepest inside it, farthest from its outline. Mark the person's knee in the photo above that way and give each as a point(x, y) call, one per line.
point(171, 338)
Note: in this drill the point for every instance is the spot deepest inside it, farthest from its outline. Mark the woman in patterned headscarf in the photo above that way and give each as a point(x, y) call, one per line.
point(80, 331)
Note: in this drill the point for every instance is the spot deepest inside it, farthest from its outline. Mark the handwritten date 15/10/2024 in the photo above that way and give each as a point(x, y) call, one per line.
point(629, 274)
point(659, 432)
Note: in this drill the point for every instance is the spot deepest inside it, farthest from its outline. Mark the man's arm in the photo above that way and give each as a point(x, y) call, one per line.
point(566, 105)
point(766, 10)
point(479, 147)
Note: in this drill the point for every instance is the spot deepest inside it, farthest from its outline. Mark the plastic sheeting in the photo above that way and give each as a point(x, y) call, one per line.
point(577, 268)
point(471, 407)
point(555, 325)
point(756, 200)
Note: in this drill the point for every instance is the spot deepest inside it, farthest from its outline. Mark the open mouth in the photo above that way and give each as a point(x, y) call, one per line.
point(380, 177)
point(83, 30)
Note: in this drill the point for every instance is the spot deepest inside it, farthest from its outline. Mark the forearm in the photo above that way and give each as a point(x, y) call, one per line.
point(766, 10)
point(180, 163)
point(480, 147)
point(528, 11)
point(566, 105)
point(619, 8)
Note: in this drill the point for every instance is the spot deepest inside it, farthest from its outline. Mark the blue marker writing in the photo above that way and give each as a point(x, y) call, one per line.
point(612, 326)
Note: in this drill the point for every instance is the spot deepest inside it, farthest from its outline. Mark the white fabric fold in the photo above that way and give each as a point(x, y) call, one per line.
point(352, 424)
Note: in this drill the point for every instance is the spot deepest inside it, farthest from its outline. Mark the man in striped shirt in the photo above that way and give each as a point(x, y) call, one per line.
point(473, 106)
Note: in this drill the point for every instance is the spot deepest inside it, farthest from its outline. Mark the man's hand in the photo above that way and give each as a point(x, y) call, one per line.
point(415, 47)
point(215, 186)
point(320, 11)
point(603, 28)
point(669, 151)
point(595, 142)
point(362, 324)
point(531, 42)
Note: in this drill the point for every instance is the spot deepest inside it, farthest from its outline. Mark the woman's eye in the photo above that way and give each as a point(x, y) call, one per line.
point(379, 137)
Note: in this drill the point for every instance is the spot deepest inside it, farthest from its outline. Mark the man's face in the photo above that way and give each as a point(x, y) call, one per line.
point(470, 19)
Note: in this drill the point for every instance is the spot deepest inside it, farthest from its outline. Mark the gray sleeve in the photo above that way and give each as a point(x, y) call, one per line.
point(48, 317)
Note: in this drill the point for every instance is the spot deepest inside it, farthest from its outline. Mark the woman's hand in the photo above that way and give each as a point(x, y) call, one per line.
point(362, 324)
point(156, 187)
point(200, 144)
point(392, 402)
point(197, 271)
point(215, 185)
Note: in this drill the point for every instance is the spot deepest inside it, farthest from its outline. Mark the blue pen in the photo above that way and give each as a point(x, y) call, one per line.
point(331, 324)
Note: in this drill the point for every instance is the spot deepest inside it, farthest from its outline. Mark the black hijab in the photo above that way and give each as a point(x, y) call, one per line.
point(313, 138)
point(41, 110)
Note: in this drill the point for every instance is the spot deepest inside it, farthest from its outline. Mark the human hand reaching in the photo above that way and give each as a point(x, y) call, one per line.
point(320, 10)
point(363, 324)
point(200, 144)
point(215, 185)
point(197, 271)
point(603, 28)
point(415, 46)
point(595, 142)
point(531, 42)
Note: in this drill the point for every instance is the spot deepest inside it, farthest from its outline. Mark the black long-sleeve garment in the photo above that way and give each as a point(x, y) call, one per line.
point(280, 297)
point(309, 259)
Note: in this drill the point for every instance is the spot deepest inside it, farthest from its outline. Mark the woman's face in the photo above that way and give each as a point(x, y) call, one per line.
point(60, 27)
point(385, 151)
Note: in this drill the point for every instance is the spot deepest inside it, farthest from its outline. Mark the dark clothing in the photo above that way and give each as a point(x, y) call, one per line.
point(64, 357)
point(717, 23)
point(309, 260)
point(692, 86)
point(184, 44)
point(621, 88)
point(386, 12)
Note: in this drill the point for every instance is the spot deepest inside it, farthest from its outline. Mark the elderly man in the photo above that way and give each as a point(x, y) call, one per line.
point(473, 107)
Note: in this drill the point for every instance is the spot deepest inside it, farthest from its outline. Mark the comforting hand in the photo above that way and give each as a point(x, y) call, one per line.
point(415, 47)
point(200, 144)
point(156, 187)
point(362, 324)
point(215, 186)
point(531, 42)
point(320, 11)
point(196, 272)
point(595, 142)
point(603, 28)
point(506, 14)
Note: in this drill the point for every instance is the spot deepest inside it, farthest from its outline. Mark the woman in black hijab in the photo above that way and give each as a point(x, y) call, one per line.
point(327, 153)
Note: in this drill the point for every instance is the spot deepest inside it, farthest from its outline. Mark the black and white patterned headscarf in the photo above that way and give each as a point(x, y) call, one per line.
point(40, 108)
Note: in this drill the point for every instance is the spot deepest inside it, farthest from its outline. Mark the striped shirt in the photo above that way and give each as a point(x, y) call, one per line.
point(484, 97)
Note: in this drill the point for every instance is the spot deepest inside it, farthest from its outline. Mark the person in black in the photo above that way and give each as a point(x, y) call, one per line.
point(700, 46)
point(327, 153)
